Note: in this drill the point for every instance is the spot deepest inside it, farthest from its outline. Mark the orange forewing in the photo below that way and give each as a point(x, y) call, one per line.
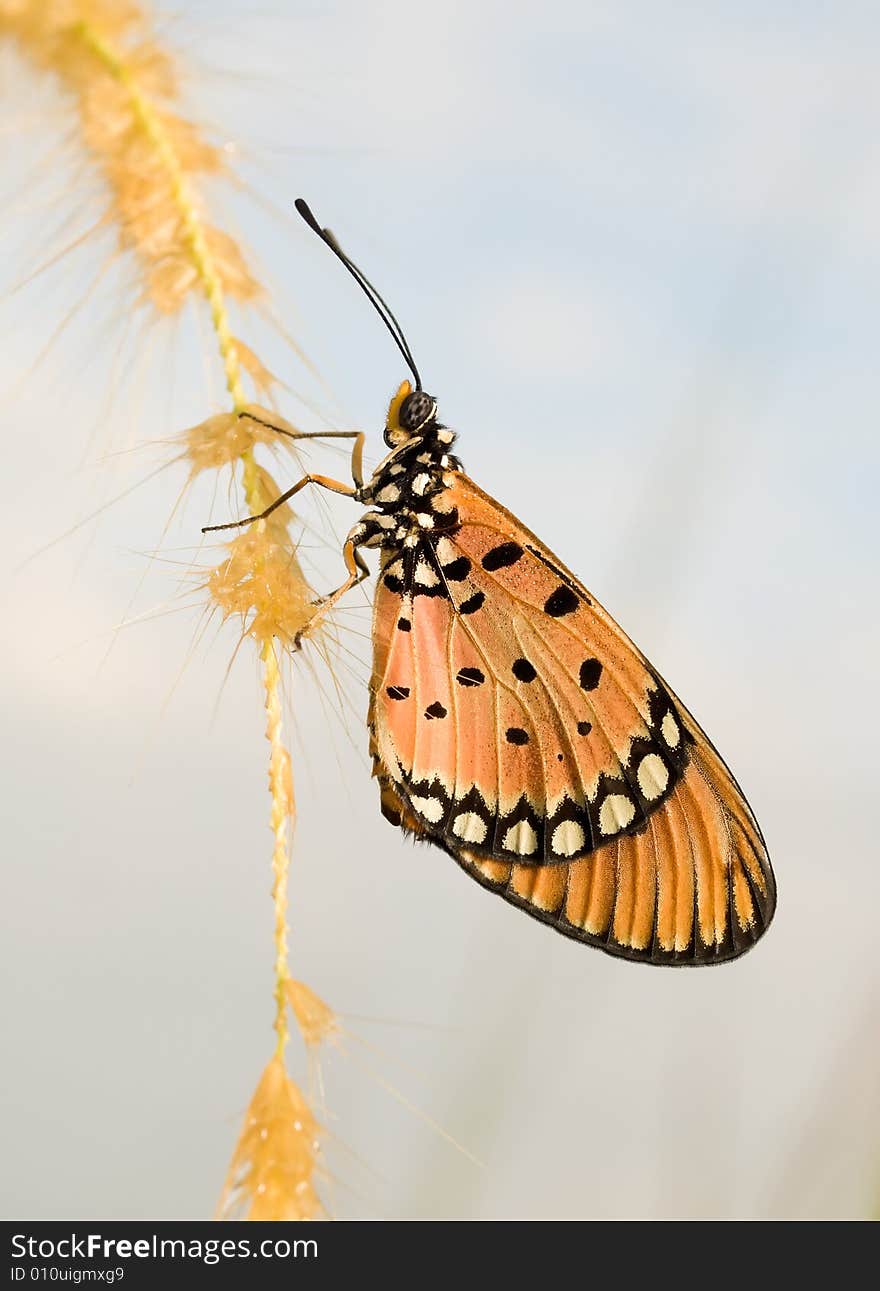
point(532, 740)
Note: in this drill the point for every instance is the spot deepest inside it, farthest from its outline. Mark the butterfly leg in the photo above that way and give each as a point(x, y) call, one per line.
point(323, 481)
point(365, 533)
point(357, 452)
point(358, 571)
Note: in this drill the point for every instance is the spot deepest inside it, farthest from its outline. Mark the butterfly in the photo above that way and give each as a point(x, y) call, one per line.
point(515, 725)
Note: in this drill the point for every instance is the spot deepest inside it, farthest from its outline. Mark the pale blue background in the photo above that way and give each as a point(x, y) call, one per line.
point(635, 249)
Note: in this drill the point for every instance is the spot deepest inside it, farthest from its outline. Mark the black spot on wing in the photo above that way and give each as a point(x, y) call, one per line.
point(445, 521)
point(591, 671)
point(500, 557)
point(523, 670)
point(397, 692)
point(457, 569)
point(404, 625)
point(435, 710)
point(393, 583)
point(472, 604)
point(584, 728)
point(470, 677)
point(562, 601)
point(516, 735)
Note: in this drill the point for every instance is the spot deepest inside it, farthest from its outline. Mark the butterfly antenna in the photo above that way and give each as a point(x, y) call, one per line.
point(366, 286)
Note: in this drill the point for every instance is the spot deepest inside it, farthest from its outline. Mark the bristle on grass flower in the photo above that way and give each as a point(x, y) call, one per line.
point(105, 55)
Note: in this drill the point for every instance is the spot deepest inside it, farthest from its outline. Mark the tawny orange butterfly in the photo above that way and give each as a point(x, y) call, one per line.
point(515, 725)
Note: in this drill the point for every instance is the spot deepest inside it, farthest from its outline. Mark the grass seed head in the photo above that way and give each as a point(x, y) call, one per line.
point(271, 1175)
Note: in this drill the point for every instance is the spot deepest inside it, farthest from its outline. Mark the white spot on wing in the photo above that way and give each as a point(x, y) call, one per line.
point(520, 838)
point(653, 776)
point(470, 827)
point(420, 483)
point(568, 838)
point(430, 808)
point(445, 551)
point(615, 813)
point(390, 493)
point(426, 575)
point(669, 730)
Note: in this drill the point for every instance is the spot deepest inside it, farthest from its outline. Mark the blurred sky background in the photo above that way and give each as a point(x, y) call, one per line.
point(636, 252)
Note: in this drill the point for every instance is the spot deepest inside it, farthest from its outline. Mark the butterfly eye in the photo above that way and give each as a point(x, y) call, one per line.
point(417, 409)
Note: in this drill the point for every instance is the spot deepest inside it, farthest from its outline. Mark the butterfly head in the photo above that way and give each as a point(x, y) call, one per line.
point(410, 413)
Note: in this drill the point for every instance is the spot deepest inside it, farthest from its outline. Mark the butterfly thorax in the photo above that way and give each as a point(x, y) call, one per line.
point(408, 492)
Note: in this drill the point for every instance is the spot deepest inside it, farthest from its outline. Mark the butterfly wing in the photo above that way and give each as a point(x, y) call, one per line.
point(517, 726)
